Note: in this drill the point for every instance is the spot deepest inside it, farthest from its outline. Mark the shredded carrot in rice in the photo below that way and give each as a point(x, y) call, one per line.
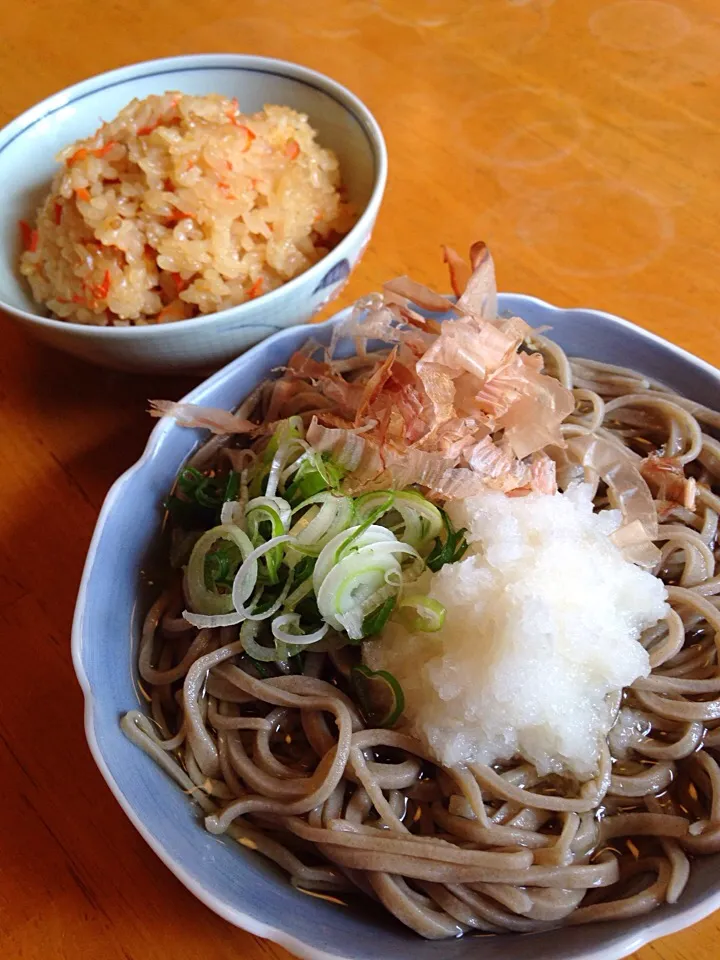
point(248, 133)
point(78, 155)
point(101, 151)
point(256, 289)
point(29, 236)
point(101, 290)
point(137, 202)
point(180, 284)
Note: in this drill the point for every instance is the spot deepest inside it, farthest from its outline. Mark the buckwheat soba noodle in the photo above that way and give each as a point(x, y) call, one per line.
point(499, 728)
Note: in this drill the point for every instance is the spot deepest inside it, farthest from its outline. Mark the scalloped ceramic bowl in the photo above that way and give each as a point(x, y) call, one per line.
point(237, 884)
point(28, 146)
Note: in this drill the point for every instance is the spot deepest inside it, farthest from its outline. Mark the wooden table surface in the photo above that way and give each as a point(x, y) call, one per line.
point(581, 138)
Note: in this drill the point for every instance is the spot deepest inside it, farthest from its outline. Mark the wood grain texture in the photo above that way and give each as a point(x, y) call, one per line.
point(581, 138)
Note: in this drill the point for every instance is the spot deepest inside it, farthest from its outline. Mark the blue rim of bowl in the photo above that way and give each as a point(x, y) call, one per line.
point(246, 63)
point(632, 941)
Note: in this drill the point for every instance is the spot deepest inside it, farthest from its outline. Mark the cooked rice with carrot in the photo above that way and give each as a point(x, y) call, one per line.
point(182, 206)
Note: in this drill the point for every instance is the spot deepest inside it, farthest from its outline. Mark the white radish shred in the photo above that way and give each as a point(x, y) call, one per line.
point(272, 610)
point(543, 620)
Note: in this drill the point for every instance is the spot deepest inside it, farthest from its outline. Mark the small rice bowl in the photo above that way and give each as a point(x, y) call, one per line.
point(182, 206)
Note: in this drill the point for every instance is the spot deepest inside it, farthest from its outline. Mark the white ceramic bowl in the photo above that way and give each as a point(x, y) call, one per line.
point(28, 146)
point(236, 883)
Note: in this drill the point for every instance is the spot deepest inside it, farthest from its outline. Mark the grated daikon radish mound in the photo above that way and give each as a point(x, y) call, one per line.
point(543, 621)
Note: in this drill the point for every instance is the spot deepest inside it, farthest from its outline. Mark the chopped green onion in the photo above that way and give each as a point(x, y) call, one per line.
point(367, 522)
point(207, 496)
point(345, 591)
point(308, 609)
point(305, 485)
point(256, 516)
point(286, 430)
point(256, 487)
point(375, 621)
point(297, 553)
point(332, 471)
point(267, 598)
point(287, 629)
point(420, 612)
point(232, 487)
point(188, 514)
point(317, 527)
point(315, 474)
point(421, 520)
point(380, 696)
point(221, 565)
point(286, 441)
point(299, 595)
point(304, 569)
point(451, 550)
point(202, 497)
point(285, 652)
point(189, 479)
point(249, 631)
point(246, 581)
point(200, 488)
point(327, 559)
point(206, 599)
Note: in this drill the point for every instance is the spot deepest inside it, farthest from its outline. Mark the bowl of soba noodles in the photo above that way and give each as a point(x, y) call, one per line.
point(402, 633)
